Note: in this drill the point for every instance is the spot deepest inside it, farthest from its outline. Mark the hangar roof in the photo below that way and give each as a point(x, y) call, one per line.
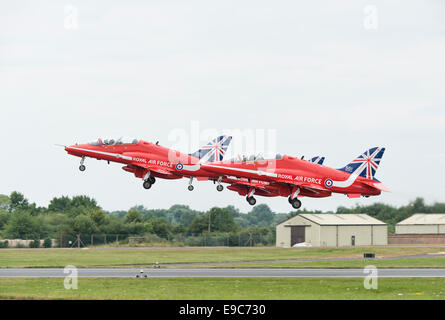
point(342, 219)
point(424, 218)
point(339, 219)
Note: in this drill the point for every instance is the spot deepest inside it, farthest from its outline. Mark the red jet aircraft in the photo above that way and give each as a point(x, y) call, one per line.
point(150, 161)
point(284, 176)
point(291, 177)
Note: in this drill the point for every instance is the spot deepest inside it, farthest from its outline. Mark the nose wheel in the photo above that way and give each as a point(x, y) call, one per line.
point(251, 200)
point(190, 187)
point(82, 167)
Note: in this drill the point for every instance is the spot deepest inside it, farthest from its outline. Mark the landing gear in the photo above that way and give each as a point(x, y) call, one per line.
point(148, 181)
point(219, 187)
point(190, 187)
point(147, 184)
point(251, 200)
point(82, 167)
point(152, 180)
point(296, 204)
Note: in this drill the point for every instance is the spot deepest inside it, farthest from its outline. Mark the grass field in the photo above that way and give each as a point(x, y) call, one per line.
point(223, 288)
point(148, 256)
point(434, 262)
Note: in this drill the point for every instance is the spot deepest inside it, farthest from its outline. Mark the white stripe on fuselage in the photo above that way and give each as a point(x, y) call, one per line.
point(194, 167)
point(339, 184)
point(346, 183)
point(117, 155)
point(350, 181)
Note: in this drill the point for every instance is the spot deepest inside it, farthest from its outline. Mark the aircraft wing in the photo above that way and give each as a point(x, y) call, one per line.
point(313, 188)
point(153, 168)
point(244, 182)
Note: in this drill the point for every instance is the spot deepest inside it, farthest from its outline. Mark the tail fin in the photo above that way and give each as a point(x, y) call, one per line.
point(214, 150)
point(317, 160)
point(366, 164)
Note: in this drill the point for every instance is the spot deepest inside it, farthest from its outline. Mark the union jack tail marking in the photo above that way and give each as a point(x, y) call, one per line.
point(366, 164)
point(214, 150)
point(317, 160)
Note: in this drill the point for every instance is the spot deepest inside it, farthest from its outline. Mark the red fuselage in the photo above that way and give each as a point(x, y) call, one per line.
point(284, 176)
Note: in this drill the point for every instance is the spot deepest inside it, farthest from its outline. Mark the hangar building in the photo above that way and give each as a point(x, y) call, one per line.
point(332, 230)
point(422, 223)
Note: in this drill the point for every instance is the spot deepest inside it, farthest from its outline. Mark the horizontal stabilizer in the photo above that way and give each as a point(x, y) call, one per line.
point(376, 185)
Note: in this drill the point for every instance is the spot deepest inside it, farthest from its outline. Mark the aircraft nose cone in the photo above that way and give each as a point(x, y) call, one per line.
point(69, 148)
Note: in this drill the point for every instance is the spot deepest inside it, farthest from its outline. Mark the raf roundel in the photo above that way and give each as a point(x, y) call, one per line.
point(328, 183)
point(179, 166)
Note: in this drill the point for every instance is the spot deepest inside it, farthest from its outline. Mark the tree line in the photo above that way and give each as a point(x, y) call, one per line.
point(64, 216)
point(69, 216)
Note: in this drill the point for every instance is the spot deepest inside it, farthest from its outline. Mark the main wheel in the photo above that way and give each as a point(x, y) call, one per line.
point(82, 167)
point(251, 200)
point(219, 187)
point(152, 180)
point(190, 187)
point(147, 184)
point(296, 204)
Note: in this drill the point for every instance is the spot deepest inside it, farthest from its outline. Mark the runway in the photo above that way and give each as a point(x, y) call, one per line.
point(218, 273)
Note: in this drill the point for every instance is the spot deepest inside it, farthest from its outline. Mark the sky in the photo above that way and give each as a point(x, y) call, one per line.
point(312, 78)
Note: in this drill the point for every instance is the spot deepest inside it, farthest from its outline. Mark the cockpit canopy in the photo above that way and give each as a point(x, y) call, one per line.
point(111, 142)
point(258, 157)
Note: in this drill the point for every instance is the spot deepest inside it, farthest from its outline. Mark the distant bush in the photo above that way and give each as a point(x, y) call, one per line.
point(20, 245)
point(47, 243)
point(4, 244)
point(34, 244)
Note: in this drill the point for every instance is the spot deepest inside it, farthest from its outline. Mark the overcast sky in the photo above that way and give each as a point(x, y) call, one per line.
point(327, 78)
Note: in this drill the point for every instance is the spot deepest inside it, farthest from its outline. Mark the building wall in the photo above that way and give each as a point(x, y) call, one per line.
point(282, 236)
point(313, 234)
point(420, 229)
point(416, 239)
point(332, 236)
point(328, 236)
point(380, 237)
point(283, 231)
point(341, 236)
